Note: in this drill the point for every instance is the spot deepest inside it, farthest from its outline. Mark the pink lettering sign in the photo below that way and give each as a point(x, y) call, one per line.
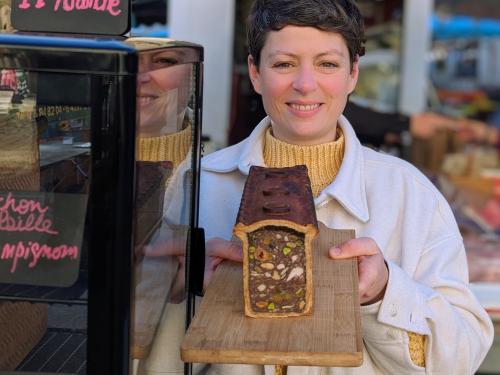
point(33, 252)
point(109, 6)
point(24, 215)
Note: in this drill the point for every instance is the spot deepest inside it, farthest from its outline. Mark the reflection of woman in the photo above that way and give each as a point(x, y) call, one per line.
point(304, 62)
point(165, 131)
point(162, 99)
point(164, 144)
point(164, 135)
point(165, 119)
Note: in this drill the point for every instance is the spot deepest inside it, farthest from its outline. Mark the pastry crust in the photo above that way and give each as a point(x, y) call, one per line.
point(277, 198)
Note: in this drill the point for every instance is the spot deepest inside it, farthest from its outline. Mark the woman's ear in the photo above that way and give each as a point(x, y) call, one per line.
point(253, 72)
point(354, 75)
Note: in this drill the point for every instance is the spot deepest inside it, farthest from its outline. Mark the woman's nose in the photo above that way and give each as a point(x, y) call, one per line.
point(145, 64)
point(143, 77)
point(305, 80)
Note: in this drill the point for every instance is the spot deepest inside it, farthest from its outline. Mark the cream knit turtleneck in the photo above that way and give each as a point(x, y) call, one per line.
point(322, 161)
point(172, 147)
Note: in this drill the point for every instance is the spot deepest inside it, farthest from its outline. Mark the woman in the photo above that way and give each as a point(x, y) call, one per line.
point(418, 314)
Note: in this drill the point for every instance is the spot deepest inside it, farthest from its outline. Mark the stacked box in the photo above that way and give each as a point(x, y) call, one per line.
point(277, 224)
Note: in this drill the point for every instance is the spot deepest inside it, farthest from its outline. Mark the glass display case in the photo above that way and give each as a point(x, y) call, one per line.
point(99, 160)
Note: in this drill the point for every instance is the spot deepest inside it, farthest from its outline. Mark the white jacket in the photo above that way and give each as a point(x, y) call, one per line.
point(389, 200)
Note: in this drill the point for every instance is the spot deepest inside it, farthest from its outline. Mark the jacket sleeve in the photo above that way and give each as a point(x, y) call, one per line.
point(434, 301)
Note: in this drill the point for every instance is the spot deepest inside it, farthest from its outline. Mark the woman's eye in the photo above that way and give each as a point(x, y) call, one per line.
point(166, 61)
point(282, 65)
point(328, 64)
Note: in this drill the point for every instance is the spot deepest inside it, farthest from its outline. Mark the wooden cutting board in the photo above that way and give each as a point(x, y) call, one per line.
point(221, 333)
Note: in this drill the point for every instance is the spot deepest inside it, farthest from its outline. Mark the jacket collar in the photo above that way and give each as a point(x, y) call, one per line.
point(253, 149)
point(348, 188)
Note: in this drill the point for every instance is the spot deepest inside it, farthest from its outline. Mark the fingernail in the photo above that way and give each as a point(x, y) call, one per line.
point(334, 251)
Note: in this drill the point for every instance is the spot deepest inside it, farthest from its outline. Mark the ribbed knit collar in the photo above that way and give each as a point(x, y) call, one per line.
point(323, 161)
point(171, 147)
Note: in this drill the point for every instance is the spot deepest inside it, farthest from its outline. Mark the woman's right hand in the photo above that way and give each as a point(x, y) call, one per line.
point(217, 250)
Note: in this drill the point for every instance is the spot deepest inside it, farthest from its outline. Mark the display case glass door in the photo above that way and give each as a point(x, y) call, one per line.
point(167, 105)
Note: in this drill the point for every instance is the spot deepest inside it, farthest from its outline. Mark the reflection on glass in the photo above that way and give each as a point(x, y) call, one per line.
point(43, 183)
point(19, 159)
point(44, 180)
point(163, 190)
point(164, 84)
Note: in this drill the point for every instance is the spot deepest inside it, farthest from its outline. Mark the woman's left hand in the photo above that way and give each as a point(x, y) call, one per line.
point(372, 269)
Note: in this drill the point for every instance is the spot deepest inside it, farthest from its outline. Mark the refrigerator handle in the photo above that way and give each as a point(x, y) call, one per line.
point(197, 262)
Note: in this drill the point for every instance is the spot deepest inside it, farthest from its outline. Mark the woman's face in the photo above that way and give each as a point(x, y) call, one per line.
point(163, 91)
point(304, 78)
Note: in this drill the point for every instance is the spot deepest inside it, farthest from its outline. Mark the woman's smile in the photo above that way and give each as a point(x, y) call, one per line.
point(146, 99)
point(304, 109)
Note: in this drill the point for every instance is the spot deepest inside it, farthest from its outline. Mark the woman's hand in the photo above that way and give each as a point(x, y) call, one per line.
point(166, 241)
point(216, 250)
point(372, 269)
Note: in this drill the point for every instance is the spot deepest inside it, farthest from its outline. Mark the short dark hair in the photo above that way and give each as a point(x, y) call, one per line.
point(339, 16)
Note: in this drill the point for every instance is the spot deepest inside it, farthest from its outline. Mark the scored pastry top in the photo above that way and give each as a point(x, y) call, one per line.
point(277, 193)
